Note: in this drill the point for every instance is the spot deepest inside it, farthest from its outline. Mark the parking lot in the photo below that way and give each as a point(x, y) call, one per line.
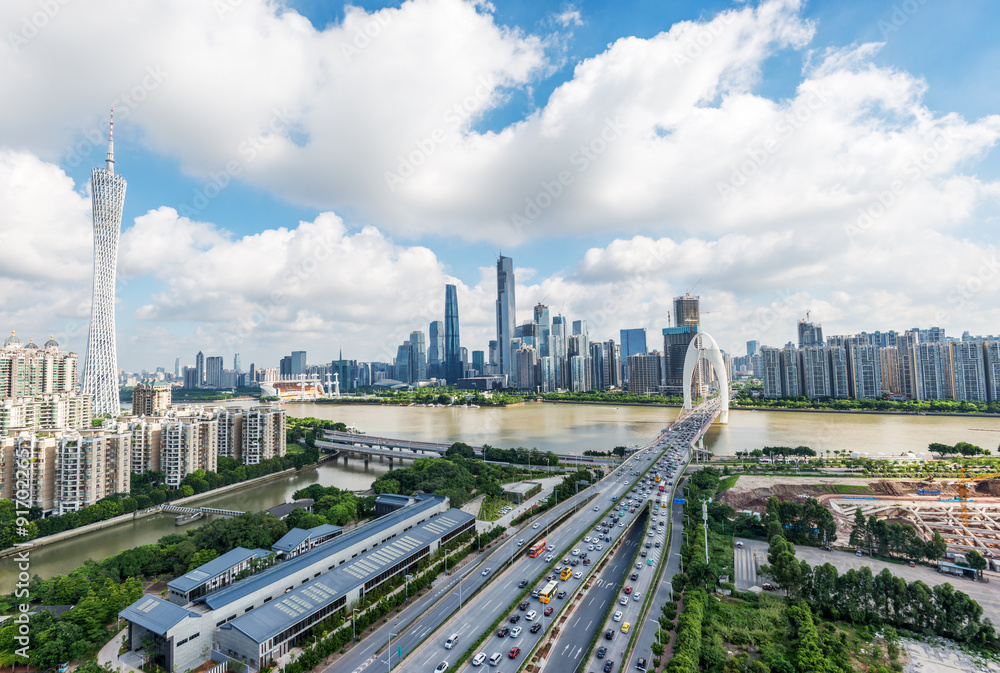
point(754, 554)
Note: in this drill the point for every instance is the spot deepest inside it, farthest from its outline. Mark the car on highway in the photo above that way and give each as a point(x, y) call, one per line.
point(549, 610)
point(658, 543)
point(442, 667)
point(548, 559)
point(531, 615)
point(609, 634)
point(536, 627)
point(591, 547)
point(634, 576)
point(514, 619)
point(586, 539)
point(514, 651)
point(522, 584)
point(636, 596)
point(522, 606)
point(515, 632)
point(767, 586)
point(535, 526)
point(648, 545)
point(561, 595)
point(534, 594)
point(640, 665)
point(609, 666)
point(486, 571)
point(503, 632)
point(599, 547)
point(824, 547)
point(586, 561)
point(643, 553)
point(601, 651)
point(578, 574)
point(628, 590)
point(618, 616)
point(649, 562)
point(638, 566)
point(479, 659)
point(520, 542)
point(623, 601)
point(625, 627)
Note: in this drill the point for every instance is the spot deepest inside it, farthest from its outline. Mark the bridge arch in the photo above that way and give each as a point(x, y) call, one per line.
point(703, 347)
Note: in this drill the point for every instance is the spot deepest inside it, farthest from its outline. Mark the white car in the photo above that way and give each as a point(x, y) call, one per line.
point(578, 574)
point(590, 548)
point(520, 542)
point(599, 547)
point(442, 667)
point(548, 559)
point(486, 571)
point(479, 659)
point(515, 632)
point(624, 600)
point(576, 552)
point(618, 616)
point(531, 615)
point(536, 525)
point(596, 508)
point(636, 596)
point(586, 539)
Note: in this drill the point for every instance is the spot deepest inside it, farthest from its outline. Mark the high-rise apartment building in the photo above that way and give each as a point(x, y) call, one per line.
point(929, 362)
point(90, 465)
point(991, 363)
point(965, 373)
point(789, 372)
point(814, 372)
point(213, 372)
point(452, 340)
point(100, 374)
point(891, 376)
point(145, 444)
point(644, 373)
point(526, 361)
point(810, 334)
point(865, 372)
point(909, 369)
point(199, 366)
point(263, 434)
point(676, 341)
point(150, 399)
point(187, 444)
point(506, 313)
point(418, 356)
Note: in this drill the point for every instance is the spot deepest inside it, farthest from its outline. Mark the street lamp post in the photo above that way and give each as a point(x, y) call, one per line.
point(354, 622)
point(682, 562)
point(408, 578)
point(388, 653)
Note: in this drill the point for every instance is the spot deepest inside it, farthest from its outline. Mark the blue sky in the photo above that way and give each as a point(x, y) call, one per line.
point(645, 218)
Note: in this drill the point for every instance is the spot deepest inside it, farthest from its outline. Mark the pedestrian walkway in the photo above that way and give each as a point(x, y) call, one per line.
point(108, 656)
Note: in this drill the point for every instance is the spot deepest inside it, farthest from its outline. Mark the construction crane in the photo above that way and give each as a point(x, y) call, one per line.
point(963, 491)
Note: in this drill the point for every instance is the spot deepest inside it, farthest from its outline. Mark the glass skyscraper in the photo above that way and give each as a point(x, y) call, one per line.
point(544, 328)
point(506, 322)
point(452, 347)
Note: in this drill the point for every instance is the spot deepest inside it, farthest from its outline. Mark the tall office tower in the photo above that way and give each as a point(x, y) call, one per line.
point(965, 371)
point(577, 344)
point(100, 374)
point(613, 366)
point(644, 373)
point(418, 355)
point(402, 364)
point(236, 363)
point(199, 368)
point(753, 347)
point(814, 372)
point(580, 373)
point(544, 329)
point(810, 334)
point(493, 357)
point(526, 365)
point(687, 310)
point(299, 363)
point(840, 385)
point(213, 372)
point(177, 368)
point(633, 341)
point(580, 327)
point(557, 348)
point(598, 366)
point(452, 345)
point(463, 356)
point(991, 363)
point(527, 333)
point(789, 372)
point(506, 312)
point(929, 362)
point(479, 362)
point(435, 349)
point(909, 369)
point(864, 371)
point(676, 341)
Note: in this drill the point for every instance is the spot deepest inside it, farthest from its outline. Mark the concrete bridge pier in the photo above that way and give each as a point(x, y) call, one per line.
point(390, 463)
point(345, 459)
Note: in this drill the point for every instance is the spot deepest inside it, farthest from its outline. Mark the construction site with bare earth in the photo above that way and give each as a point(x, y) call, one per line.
point(965, 512)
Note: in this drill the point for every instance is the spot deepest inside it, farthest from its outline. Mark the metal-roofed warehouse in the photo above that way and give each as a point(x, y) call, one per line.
point(271, 630)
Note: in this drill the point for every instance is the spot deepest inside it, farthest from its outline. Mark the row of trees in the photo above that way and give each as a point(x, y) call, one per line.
point(890, 539)
point(331, 505)
point(961, 448)
point(864, 598)
point(614, 397)
point(744, 398)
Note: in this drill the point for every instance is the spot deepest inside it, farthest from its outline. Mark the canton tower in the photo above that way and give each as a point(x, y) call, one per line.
point(100, 375)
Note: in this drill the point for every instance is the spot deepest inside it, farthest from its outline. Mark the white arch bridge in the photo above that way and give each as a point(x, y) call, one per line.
point(703, 347)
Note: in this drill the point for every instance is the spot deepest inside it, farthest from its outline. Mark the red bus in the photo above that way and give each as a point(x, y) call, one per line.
point(536, 549)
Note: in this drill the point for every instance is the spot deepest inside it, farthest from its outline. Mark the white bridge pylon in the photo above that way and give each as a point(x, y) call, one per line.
point(697, 350)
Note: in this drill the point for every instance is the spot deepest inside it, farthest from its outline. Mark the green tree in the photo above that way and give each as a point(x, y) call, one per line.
point(936, 547)
point(975, 560)
point(201, 558)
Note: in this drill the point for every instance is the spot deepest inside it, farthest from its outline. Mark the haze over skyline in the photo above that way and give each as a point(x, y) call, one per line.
point(308, 179)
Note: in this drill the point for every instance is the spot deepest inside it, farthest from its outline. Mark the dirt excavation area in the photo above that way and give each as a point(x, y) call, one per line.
point(753, 492)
